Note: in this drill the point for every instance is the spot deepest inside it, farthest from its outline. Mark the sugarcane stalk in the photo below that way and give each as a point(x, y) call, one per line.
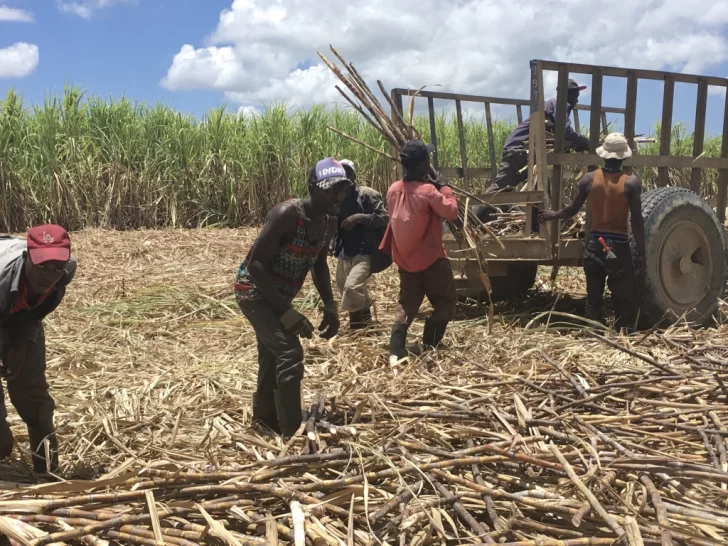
point(139, 519)
point(666, 535)
point(165, 538)
point(402, 497)
point(367, 146)
point(598, 508)
point(359, 109)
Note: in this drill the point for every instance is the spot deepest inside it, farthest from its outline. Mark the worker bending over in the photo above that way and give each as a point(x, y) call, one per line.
point(294, 241)
point(362, 220)
point(34, 274)
point(417, 207)
point(512, 170)
point(613, 197)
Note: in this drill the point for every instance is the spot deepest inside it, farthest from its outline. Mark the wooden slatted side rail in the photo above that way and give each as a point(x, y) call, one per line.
point(479, 99)
point(664, 161)
point(537, 167)
point(699, 133)
point(465, 171)
point(559, 138)
point(668, 97)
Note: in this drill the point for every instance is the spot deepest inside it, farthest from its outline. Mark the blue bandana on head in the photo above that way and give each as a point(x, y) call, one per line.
point(329, 172)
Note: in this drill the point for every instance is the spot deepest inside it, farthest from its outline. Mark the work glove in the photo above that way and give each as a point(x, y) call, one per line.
point(439, 181)
point(297, 324)
point(330, 324)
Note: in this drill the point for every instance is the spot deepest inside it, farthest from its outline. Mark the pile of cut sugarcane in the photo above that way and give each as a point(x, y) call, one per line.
point(556, 453)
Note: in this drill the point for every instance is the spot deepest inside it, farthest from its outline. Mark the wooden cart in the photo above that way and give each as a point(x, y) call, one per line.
point(685, 270)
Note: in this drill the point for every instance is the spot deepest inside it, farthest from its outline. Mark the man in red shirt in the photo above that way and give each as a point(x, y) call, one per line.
point(417, 206)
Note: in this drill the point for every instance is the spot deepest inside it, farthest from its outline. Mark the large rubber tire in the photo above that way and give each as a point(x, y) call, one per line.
point(685, 265)
point(514, 285)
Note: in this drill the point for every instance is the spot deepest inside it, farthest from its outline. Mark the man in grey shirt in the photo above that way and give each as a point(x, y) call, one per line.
point(34, 274)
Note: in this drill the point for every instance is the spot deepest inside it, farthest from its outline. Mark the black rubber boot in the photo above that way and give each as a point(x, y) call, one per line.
point(360, 319)
point(433, 333)
point(6, 439)
point(288, 407)
point(37, 435)
point(355, 320)
point(398, 341)
point(265, 415)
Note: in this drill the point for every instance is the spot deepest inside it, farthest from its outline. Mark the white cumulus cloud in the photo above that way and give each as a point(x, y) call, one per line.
point(86, 8)
point(263, 51)
point(16, 15)
point(18, 60)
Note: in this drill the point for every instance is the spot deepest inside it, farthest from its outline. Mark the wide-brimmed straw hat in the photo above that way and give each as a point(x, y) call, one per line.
point(615, 147)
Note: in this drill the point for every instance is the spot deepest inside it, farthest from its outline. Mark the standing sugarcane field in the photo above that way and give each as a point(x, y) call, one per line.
point(409, 316)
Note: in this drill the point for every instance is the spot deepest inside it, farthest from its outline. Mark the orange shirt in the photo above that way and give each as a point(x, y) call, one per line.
point(416, 210)
point(21, 299)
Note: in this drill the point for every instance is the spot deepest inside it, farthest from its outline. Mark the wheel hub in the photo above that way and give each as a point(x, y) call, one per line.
point(684, 265)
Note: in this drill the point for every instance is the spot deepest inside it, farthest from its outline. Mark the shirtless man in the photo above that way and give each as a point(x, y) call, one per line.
point(614, 199)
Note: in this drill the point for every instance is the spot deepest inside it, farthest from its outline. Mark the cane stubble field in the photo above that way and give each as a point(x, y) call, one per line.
point(153, 367)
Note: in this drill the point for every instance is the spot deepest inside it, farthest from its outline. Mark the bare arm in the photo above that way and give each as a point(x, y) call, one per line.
point(320, 272)
point(579, 200)
point(279, 229)
point(633, 190)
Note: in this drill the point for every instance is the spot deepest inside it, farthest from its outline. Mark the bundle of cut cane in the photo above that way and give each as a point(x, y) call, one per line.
point(467, 229)
point(512, 223)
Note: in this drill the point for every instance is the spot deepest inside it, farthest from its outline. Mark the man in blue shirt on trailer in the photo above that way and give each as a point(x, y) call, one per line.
point(512, 170)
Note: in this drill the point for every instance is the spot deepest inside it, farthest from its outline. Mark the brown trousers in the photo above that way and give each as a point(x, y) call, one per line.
point(437, 283)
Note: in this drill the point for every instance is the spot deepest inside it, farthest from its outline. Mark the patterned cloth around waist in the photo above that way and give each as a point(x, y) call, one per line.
point(290, 265)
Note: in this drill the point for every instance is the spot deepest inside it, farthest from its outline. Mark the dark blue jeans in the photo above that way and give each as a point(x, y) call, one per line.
point(618, 274)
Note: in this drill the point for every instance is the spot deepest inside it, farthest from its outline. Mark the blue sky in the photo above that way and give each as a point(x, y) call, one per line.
point(194, 55)
point(121, 50)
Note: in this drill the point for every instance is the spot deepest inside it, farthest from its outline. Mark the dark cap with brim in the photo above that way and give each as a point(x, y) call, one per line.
point(415, 151)
point(573, 86)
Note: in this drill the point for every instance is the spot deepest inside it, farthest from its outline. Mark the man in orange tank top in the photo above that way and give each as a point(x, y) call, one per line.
point(614, 200)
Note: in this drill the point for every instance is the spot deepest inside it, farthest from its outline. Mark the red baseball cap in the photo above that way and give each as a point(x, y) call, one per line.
point(47, 243)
